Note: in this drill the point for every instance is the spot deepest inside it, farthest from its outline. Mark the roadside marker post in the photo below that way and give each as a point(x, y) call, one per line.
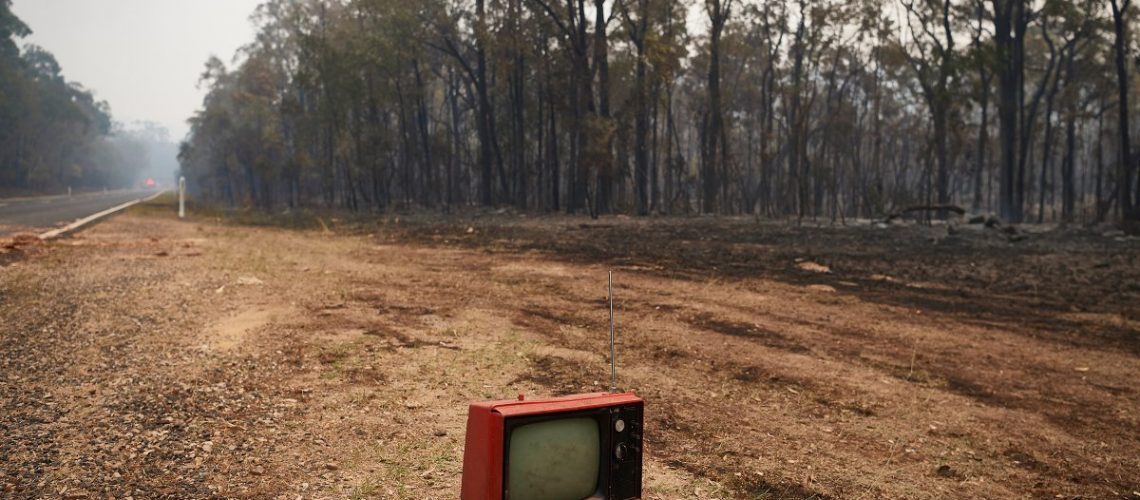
point(182, 197)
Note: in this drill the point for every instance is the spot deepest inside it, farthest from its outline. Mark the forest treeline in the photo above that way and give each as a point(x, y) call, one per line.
point(54, 134)
point(823, 108)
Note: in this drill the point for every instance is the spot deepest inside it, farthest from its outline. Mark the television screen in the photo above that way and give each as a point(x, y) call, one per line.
point(554, 460)
point(585, 446)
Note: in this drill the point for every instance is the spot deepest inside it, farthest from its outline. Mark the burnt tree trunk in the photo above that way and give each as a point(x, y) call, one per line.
point(484, 112)
point(604, 153)
point(714, 138)
point(1120, 56)
point(637, 29)
point(1009, 103)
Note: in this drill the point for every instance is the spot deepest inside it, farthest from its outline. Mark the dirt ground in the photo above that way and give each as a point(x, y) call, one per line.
point(153, 358)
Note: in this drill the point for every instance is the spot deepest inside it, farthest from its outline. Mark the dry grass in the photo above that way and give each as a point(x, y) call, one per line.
point(347, 371)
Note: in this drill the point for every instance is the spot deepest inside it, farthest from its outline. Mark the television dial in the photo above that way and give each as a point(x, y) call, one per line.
point(619, 425)
point(621, 452)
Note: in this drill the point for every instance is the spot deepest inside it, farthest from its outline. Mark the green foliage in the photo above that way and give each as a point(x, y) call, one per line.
point(55, 133)
point(11, 28)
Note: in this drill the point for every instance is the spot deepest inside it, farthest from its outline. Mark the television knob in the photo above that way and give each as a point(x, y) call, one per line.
point(619, 425)
point(621, 452)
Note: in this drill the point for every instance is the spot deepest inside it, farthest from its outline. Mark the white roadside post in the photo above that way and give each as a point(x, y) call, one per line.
point(182, 197)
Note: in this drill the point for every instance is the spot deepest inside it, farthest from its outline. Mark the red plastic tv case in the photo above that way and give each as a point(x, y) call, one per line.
point(483, 453)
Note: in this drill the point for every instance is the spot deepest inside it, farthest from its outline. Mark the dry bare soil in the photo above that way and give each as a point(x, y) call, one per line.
point(152, 358)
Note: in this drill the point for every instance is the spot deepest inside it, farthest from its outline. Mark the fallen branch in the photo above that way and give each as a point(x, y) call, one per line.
point(930, 208)
point(925, 208)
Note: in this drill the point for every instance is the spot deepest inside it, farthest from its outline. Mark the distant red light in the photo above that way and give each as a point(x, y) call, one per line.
point(150, 183)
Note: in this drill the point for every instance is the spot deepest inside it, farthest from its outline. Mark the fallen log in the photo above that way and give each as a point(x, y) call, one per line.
point(925, 208)
point(930, 208)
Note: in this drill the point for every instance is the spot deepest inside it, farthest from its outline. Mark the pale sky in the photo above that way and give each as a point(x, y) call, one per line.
point(142, 56)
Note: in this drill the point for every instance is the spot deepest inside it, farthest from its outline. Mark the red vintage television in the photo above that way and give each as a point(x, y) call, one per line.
point(579, 447)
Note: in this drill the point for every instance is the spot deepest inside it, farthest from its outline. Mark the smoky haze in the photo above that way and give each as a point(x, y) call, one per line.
point(144, 58)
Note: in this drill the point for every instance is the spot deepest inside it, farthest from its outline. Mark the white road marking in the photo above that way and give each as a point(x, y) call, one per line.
point(55, 233)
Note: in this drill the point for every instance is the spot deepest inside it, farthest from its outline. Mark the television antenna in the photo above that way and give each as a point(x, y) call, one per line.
point(613, 357)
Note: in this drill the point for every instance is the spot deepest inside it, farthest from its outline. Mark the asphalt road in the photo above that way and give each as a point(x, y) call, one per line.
point(36, 215)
